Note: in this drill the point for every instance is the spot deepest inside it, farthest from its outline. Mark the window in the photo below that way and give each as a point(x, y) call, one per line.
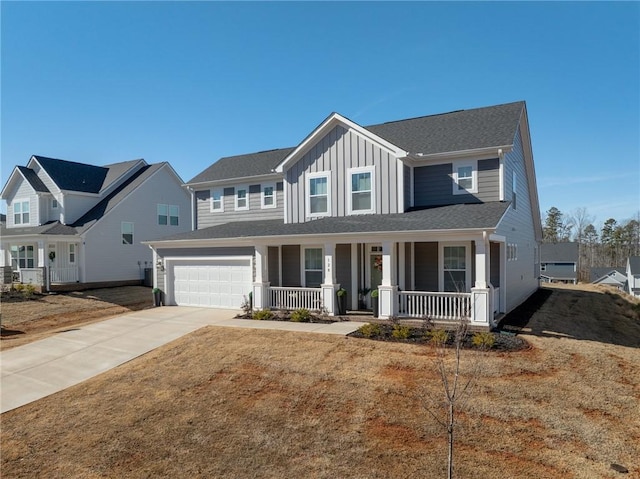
point(361, 193)
point(22, 256)
point(127, 233)
point(455, 268)
point(72, 253)
point(242, 198)
point(268, 196)
point(21, 212)
point(512, 252)
point(313, 267)
point(465, 178)
point(54, 203)
point(217, 200)
point(168, 215)
point(318, 187)
point(514, 184)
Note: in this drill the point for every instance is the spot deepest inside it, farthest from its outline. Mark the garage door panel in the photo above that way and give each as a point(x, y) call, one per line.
point(222, 283)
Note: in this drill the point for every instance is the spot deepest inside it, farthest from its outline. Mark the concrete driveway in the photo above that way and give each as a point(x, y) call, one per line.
point(38, 369)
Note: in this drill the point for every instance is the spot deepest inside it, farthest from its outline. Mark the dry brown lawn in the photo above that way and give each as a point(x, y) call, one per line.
point(225, 403)
point(28, 320)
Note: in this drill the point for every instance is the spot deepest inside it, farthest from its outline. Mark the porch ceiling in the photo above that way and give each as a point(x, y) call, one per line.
point(444, 218)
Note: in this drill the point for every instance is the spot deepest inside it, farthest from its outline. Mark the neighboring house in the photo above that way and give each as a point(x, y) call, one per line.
point(615, 277)
point(559, 262)
point(84, 224)
point(633, 275)
point(439, 214)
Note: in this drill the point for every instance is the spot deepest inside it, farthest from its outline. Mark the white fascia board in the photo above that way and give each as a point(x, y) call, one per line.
point(415, 159)
point(325, 127)
point(34, 238)
point(34, 160)
point(116, 183)
point(234, 181)
point(313, 239)
point(525, 137)
point(10, 181)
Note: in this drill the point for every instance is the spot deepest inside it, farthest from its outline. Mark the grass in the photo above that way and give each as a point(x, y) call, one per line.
point(230, 403)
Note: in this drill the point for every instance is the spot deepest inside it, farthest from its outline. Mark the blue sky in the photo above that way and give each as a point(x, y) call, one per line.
point(191, 82)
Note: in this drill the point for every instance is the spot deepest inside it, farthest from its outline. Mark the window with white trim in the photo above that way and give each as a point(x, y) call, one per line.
point(127, 232)
point(313, 266)
point(465, 177)
point(168, 215)
point(455, 268)
point(319, 194)
point(242, 198)
point(268, 196)
point(217, 200)
point(72, 253)
point(21, 212)
point(22, 256)
point(361, 193)
point(54, 203)
point(512, 252)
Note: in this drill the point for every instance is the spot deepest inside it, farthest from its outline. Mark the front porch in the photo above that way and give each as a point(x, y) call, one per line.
point(444, 280)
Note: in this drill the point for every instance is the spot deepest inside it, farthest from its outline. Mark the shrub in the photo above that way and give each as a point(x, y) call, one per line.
point(18, 288)
point(341, 292)
point(370, 330)
point(301, 316)
point(263, 315)
point(28, 291)
point(437, 337)
point(401, 331)
point(483, 340)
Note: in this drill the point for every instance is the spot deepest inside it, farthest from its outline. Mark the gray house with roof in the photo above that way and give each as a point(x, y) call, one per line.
point(438, 214)
point(559, 262)
point(633, 276)
point(69, 223)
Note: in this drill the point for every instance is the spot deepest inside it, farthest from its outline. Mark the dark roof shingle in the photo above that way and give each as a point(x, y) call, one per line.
point(33, 179)
point(72, 176)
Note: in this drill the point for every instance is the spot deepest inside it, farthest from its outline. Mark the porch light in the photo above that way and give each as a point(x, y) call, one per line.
point(160, 264)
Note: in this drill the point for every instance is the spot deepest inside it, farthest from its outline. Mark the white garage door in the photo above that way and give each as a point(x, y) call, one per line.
point(214, 284)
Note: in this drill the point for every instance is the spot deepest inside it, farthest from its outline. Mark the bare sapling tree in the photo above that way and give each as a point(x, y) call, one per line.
point(456, 382)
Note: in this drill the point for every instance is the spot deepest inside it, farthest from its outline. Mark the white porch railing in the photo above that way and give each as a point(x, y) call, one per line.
point(438, 306)
point(496, 300)
point(295, 298)
point(64, 275)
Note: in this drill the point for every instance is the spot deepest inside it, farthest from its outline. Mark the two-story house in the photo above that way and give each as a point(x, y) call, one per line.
point(70, 223)
point(559, 262)
point(439, 214)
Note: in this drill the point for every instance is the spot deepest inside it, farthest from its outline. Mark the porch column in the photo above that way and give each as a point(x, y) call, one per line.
point(388, 289)
point(481, 292)
point(41, 255)
point(329, 286)
point(260, 294)
point(355, 274)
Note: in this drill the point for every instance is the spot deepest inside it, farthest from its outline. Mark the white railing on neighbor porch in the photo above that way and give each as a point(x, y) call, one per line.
point(295, 298)
point(64, 275)
point(437, 306)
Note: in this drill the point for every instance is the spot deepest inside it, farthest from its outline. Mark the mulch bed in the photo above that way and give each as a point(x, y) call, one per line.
point(286, 316)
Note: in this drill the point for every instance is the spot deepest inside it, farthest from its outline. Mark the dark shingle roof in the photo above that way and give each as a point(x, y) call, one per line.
point(33, 179)
point(51, 228)
point(72, 176)
point(252, 164)
point(597, 273)
point(456, 131)
point(634, 264)
point(103, 207)
point(559, 252)
point(472, 216)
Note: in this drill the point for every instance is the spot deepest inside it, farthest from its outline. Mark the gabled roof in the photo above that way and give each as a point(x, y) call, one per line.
point(252, 164)
point(559, 252)
point(103, 207)
point(634, 264)
point(72, 176)
point(461, 130)
point(596, 274)
point(453, 217)
point(33, 179)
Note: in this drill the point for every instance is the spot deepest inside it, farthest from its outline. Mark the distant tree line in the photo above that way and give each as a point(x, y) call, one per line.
point(608, 247)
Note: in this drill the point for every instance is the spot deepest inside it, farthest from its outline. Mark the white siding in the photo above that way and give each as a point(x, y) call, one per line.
point(77, 205)
point(338, 151)
point(106, 258)
point(24, 192)
point(518, 228)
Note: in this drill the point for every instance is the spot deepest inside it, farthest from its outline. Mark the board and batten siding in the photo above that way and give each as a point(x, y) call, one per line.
point(291, 264)
point(433, 184)
point(517, 226)
point(337, 151)
point(207, 218)
point(25, 192)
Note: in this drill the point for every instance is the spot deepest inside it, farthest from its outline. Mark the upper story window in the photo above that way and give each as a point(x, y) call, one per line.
point(168, 215)
point(217, 200)
point(268, 196)
point(465, 178)
point(318, 194)
point(242, 198)
point(21, 212)
point(361, 193)
point(127, 232)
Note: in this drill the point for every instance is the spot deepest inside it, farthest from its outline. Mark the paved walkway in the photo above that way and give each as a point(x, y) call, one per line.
point(41, 368)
